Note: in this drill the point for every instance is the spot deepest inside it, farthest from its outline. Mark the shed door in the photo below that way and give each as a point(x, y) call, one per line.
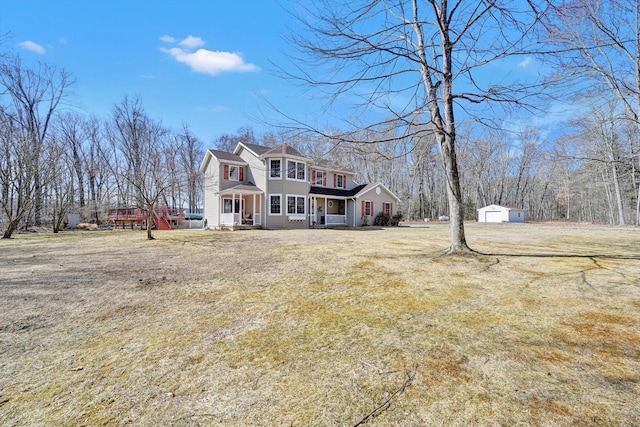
point(493, 216)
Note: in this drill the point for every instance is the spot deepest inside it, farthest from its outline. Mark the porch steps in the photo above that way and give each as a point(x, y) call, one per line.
point(160, 222)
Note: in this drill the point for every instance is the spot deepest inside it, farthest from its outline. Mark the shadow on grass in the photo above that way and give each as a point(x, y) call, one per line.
point(367, 228)
point(549, 255)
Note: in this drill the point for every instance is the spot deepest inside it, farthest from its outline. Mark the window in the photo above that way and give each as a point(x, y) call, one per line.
point(340, 181)
point(275, 168)
point(295, 205)
point(274, 204)
point(296, 170)
point(233, 173)
point(319, 178)
point(387, 208)
point(227, 206)
point(367, 207)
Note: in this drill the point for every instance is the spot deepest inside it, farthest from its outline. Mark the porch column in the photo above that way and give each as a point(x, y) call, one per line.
point(326, 214)
point(254, 209)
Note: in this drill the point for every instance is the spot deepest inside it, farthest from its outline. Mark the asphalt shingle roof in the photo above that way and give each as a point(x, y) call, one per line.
point(337, 192)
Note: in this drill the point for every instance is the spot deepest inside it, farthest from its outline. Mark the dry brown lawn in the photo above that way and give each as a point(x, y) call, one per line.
point(321, 328)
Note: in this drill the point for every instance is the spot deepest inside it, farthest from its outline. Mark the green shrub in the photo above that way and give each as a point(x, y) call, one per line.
point(382, 219)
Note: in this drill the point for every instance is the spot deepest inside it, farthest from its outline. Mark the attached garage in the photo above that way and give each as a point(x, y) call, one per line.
point(497, 213)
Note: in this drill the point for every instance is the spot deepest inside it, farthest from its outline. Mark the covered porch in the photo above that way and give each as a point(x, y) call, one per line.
point(241, 206)
point(327, 211)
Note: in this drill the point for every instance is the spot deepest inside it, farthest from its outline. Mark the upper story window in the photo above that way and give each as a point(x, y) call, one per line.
point(320, 178)
point(340, 181)
point(296, 170)
point(233, 173)
point(275, 169)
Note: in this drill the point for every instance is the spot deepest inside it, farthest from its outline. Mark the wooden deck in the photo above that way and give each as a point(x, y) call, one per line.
point(163, 218)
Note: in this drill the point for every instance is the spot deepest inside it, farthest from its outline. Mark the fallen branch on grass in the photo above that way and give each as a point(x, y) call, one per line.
point(410, 375)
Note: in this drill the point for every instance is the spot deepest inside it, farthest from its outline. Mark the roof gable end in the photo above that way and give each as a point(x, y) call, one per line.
point(255, 149)
point(370, 187)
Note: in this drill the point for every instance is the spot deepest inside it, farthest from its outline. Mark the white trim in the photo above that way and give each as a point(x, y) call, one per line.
point(362, 193)
point(296, 196)
point(235, 151)
point(269, 177)
point(287, 160)
point(269, 204)
point(314, 178)
point(364, 208)
point(237, 178)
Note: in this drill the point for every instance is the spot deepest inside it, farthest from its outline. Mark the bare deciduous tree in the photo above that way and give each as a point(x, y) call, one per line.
point(191, 153)
point(409, 58)
point(600, 43)
point(29, 99)
point(140, 149)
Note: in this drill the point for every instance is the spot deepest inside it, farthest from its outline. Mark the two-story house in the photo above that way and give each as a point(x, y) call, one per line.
point(281, 188)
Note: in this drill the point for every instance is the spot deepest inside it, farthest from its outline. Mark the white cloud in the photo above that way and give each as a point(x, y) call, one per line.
point(62, 41)
point(192, 42)
point(211, 62)
point(527, 61)
point(168, 39)
point(206, 61)
point(33, 47)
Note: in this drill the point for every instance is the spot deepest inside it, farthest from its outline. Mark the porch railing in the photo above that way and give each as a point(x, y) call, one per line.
point(231, 219)
point(335, 220)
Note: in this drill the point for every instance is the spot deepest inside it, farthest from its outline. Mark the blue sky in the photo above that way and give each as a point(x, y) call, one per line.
point(204, 63)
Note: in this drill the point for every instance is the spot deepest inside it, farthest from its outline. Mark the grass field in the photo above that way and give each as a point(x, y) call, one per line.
point(322, 328)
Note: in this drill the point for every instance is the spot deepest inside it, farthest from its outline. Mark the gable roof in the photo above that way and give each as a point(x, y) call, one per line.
point(356, 192)
point(370, 187)
point(220, 155)
point(245, 187)
point(256, 149)
point(223, 155)
point(509, 208)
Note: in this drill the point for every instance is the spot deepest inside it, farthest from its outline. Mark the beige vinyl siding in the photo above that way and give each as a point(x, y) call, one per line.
point(256, 171)
point(227, 183)
point(211, 188)
point(286, 187)
point(377, 199)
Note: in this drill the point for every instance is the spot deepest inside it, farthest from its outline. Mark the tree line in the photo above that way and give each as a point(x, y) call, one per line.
point(55, 161)
point(444, 150)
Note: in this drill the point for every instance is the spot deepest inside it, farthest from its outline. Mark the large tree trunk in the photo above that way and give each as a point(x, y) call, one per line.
point(445, 127)
point(454, 195)
point(150, 223)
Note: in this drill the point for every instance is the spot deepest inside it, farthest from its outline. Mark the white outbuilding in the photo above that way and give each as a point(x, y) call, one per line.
point(497, 213)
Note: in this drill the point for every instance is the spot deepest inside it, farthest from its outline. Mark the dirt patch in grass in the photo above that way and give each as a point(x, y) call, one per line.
point(321, 327)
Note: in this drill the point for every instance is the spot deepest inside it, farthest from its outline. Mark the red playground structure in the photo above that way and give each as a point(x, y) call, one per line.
point(163, 218)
